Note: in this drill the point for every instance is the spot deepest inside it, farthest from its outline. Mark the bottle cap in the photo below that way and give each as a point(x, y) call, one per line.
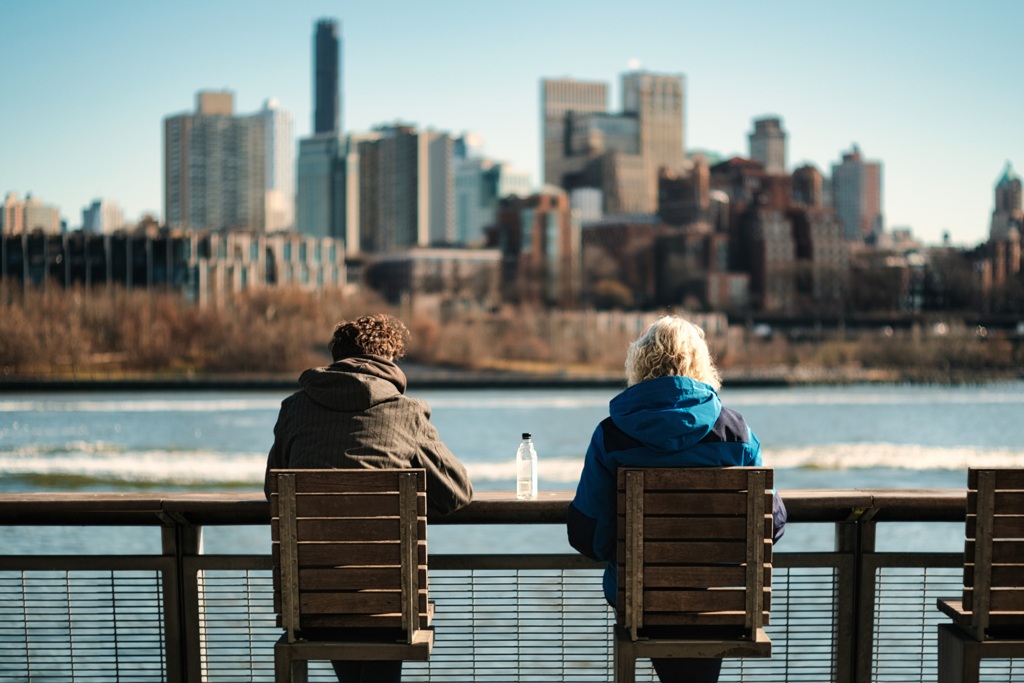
point(526, 435)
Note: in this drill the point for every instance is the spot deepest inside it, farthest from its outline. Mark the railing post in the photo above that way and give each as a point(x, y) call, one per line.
point(855, 599)
point(180, 617)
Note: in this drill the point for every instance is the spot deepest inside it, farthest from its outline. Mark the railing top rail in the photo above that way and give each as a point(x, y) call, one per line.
point(172, 508)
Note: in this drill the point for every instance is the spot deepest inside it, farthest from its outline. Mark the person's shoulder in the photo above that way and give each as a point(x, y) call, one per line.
point(729, 427)
point(615, 439)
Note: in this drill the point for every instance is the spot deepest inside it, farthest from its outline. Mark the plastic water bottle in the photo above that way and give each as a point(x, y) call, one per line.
point(526, 469)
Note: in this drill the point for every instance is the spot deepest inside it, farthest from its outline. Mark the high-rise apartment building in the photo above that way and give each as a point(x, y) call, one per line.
point(12, 217)
point(321, 192)
point(216, 166)
point(561, 101)
point(32, 215)
point(405, 189)
point(768, 144)
point(619, 154)
point(656, 100)
point(326, 77)
point(1008, 213)
point(857, 196)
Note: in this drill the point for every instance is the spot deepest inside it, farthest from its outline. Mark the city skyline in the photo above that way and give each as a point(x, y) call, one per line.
point(931, 92)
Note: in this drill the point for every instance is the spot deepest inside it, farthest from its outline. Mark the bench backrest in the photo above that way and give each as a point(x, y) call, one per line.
point(349, 549)
point(994, 549)
point(694, 547)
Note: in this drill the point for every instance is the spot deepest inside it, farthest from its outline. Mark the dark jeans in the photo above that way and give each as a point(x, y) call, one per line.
point(687, 670)
point(368, 672)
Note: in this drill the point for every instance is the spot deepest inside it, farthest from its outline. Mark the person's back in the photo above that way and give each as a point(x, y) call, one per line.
point(670, 415)
point(354, 414)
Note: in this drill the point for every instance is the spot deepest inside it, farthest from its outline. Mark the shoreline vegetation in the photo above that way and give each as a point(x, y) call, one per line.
point(110, 338)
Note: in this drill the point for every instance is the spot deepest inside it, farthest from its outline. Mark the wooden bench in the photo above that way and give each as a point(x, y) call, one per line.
point(350, 567)
point(988, 623)
point(694, 554)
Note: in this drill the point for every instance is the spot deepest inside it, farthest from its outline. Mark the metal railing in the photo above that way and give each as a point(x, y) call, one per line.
point(847, 613)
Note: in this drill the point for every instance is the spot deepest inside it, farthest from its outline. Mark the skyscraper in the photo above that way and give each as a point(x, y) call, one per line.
point(656, 100)
point(857, 196)
point(561, 100)
point(326, 77)
point(321, 184)
point(618, 154)
point(320, 199)
point(406, 189)
point(216, 166)
point(768, 144)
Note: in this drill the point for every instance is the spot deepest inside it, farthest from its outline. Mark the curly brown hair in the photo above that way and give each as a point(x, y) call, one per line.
point(375, 335)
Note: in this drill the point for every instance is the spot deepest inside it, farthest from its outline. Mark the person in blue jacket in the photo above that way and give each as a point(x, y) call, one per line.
point(669, 415)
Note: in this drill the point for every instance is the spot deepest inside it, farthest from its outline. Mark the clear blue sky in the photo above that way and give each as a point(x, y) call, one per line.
point(933, 90)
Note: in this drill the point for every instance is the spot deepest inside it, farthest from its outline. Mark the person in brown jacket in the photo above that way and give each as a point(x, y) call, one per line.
point(354, 414)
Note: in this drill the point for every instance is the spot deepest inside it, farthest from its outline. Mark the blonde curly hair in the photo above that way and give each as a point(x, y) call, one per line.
point(375, 335)
point(671, 346)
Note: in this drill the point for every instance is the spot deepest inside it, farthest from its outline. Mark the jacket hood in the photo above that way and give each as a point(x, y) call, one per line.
point(355, 383)
point(667, 413)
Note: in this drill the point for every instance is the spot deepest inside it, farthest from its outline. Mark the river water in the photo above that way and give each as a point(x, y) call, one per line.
point(877, 436)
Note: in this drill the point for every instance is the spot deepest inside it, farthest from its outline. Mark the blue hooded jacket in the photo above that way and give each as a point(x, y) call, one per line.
point(662, 422)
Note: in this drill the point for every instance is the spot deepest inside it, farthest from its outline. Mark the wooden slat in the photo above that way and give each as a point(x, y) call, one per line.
point(353, 529)
point(717, 618)
point(755, 551)
point(734, 478)
point(364, 602)
point(351, 578)
point(410, 544)
point(730, 503)
point(999, 552)
point(686, 504)
point(699, 577)
point(1007, 502)
point(391, 620)
point(1003, 526)
point(352, 505)
point(983, 550)
point(1009, 478)
point(633, 552)
point(699, 601)
point(1002, 600)
point(697, 552)
point(1003, 575)
point(354, 554)
point(288, 560)
point(667, 528)
point(341, 481)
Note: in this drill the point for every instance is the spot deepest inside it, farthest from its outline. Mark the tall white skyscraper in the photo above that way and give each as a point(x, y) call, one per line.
point(279, 148)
